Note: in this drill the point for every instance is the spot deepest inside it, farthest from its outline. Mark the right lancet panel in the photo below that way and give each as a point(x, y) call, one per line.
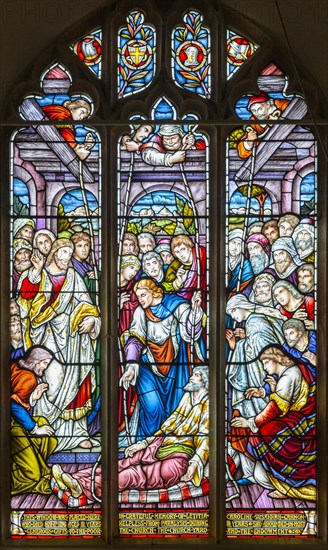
point(271, 318)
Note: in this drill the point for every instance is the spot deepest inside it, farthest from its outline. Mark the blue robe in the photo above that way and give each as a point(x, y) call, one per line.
point(247, 275)
point(158, 395)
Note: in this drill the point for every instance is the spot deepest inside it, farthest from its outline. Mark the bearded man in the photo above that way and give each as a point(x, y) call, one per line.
point(57, 312)
point(22, 259)
point(285, 259)
point(178, 451)
point(263, 107)
point(262, 290)
point(305, 278)
point(303, 238)
point(32, 438)
point(16, 337)
point(258, 252)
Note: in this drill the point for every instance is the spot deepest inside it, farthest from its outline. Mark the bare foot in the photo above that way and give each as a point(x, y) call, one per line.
point(276, 494)
point(86, 444)
point(73, 485)
point(57, 473)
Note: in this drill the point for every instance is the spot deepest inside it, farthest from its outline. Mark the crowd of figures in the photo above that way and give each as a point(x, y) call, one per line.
point(163, 373)
point(163, 401)
point(272, 356)
point(54, 329)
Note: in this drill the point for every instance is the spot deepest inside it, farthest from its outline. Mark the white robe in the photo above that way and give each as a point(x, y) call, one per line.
point(245, 369)
point(58, 332)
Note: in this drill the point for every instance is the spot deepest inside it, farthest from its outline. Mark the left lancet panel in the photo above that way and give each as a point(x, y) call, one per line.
point(55, 317)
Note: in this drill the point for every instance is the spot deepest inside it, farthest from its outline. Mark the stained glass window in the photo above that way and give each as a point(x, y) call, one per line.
point(136, 55)
point(164, 234)
point(239, 50)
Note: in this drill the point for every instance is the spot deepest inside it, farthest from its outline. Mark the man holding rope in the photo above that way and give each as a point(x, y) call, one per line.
point(169, 146)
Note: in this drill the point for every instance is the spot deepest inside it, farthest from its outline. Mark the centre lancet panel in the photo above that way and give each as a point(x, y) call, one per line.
point(163, 328)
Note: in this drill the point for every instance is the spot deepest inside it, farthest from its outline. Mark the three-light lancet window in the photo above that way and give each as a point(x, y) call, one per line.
point(161, 175)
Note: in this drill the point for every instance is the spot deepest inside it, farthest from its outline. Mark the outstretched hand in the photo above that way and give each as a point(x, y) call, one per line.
point(38, 261)
point(127, 377)
point(188, 476)
point(44, 430)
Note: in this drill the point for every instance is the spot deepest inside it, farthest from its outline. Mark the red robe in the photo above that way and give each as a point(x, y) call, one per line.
point(286, 441)
point(58, 112)
point(308, 305)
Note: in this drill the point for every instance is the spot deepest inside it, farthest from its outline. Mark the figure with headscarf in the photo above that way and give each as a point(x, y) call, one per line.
point(164, 250)
point(169, 146)
point(32, 438)
point(235, 251)
point(23, 228)
point(262, 326)
point(285, 259)
point(57, 312)
point(303, 237)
